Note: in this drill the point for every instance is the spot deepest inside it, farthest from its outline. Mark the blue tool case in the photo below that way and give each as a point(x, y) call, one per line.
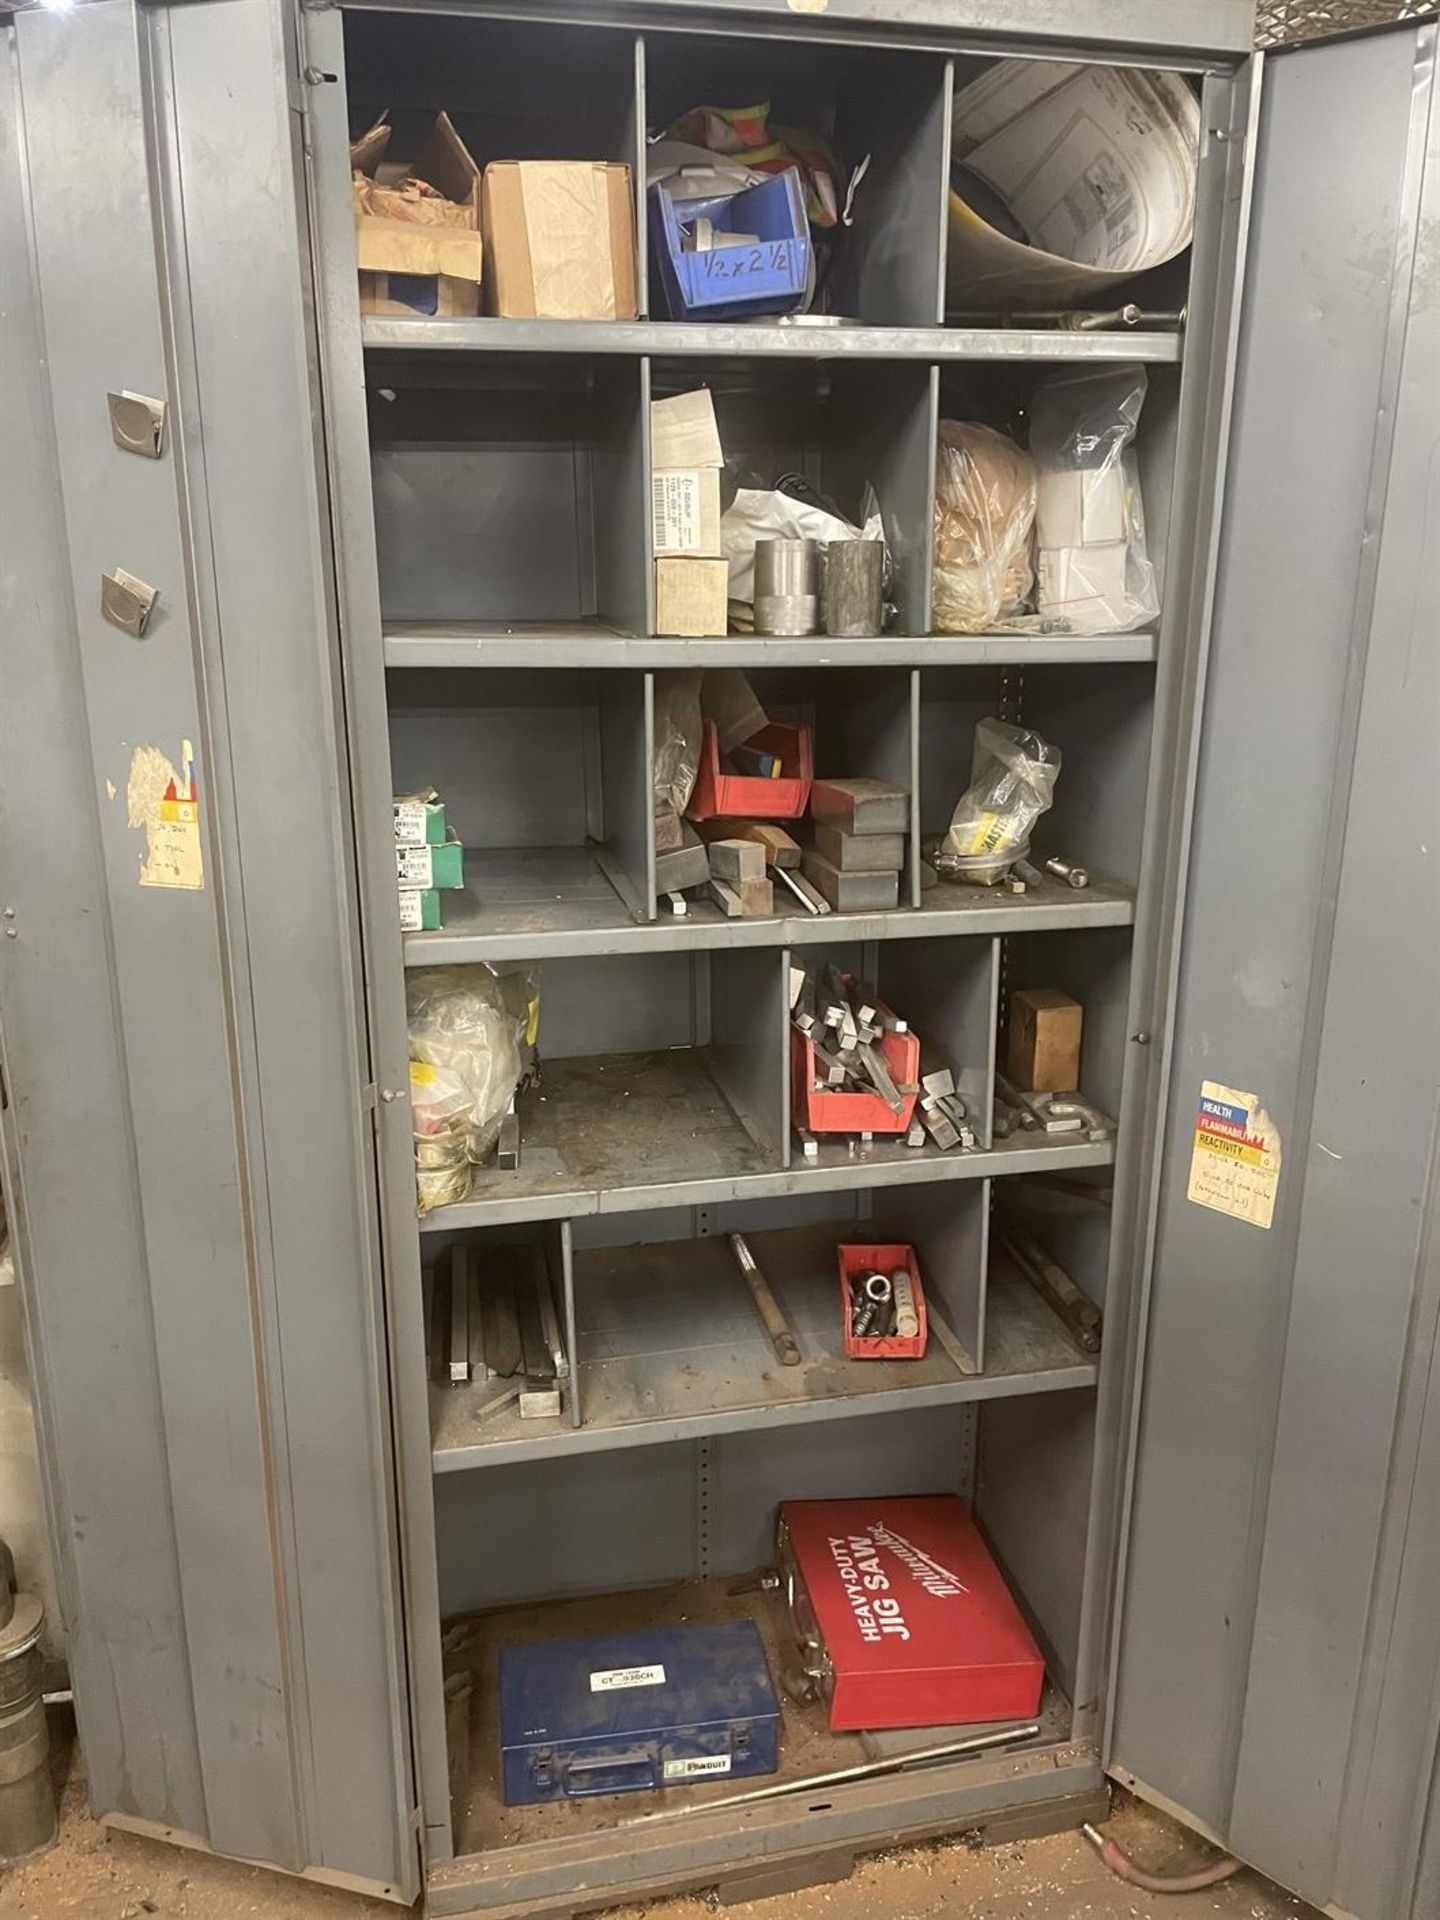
point(633, 1711)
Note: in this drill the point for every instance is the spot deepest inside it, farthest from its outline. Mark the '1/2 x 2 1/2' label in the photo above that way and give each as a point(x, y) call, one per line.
point(617, 1679)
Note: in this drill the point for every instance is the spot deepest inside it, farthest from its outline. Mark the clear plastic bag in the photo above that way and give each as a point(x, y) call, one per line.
point(678, 736)
point(1094, 573)
point(442, 1107)
point(984, 511)
point(1012, 782)
point(468, 1026)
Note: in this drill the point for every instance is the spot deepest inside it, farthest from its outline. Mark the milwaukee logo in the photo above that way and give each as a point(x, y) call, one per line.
point(934, 1578)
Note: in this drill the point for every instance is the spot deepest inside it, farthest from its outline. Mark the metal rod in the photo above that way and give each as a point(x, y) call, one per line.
point(976, 1743)
point(766, 1305)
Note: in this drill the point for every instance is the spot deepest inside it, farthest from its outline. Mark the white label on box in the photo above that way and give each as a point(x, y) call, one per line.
point(618, 1679)
point(414, 867)
point(409, 823)
point(698, 1768)
point(412, 912)
point(677, 512)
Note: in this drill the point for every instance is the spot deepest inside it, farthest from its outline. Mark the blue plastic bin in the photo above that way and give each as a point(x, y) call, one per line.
point(734, 283)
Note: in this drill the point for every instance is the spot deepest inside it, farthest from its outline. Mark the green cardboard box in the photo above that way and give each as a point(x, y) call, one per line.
point(420, 868)
point(419, 909)
point(419, 820)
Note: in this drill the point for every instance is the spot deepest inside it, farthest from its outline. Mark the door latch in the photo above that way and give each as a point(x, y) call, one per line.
point(127, 602)
point(137, 423)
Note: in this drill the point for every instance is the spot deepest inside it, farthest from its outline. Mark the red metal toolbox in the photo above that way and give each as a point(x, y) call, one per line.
point(879, 1259)
point(911, 1619)
point(719, 795)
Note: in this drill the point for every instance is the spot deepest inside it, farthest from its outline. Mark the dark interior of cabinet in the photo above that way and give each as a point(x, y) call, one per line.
point(516, 90)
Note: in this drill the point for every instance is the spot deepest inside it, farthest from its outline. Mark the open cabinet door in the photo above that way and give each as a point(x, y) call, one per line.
point(1278, 1637)
point(187, 1125)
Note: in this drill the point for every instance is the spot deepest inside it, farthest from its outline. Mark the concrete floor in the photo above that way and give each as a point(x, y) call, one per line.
point(93, 1874)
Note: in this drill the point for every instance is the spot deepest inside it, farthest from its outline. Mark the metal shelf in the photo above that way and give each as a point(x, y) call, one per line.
point(543, 903)
point(625, 1133)
point(484, 643)
point(493, 1837)
point(744, 339)
point(670, 1349)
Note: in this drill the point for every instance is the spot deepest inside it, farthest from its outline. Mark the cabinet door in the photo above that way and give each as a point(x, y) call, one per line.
point(188, 1128)
point(1278, 1642)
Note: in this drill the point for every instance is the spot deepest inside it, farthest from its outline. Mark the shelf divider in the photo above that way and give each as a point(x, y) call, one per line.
point(748, 1023)
point(639, 147)
point(950, 1233)
point(627, 731)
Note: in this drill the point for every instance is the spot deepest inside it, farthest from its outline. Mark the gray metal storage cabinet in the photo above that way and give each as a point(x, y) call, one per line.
point(392, 553)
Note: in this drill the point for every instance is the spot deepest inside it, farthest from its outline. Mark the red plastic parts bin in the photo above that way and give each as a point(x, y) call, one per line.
point(739, 796)
point(877, 1259)
point(824, 1111)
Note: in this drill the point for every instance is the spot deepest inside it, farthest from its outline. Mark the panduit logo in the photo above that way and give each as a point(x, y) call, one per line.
point(926, 1569)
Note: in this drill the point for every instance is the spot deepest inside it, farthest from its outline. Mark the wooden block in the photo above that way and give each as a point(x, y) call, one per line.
point(860, 852)
point(735, 860)
point(781, 848)
point(669, 835)
point(861, 806)
point(1043, 1049)
point(850, 892)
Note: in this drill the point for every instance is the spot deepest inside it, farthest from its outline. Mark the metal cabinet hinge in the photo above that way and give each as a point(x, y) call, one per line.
point(137, 423)
point(127, 602)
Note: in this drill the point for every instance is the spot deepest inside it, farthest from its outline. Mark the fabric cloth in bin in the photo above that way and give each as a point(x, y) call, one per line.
point(635, 1711)
point(724, 282)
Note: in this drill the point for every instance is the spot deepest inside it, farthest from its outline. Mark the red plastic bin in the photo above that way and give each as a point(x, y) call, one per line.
point(825, 1111)
point(879, 1259)
point(742, 796)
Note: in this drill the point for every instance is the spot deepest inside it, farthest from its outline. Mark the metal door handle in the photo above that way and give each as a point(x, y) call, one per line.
point(137, 423)
point(126, 601)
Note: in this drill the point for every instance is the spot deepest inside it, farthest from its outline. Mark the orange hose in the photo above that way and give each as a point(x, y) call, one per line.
point(1124, 1868)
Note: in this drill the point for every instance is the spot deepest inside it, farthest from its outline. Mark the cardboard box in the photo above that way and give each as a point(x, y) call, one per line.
point(417, 869)
point(423, 296)
point(1086, 584)
point(419, 820)
point(691, 596)
point(683, 432)
point(1077, 507)
point(418, 253)
point(685, 510)
point(1043, 1050)
point(419, 909)
point(559, 240)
